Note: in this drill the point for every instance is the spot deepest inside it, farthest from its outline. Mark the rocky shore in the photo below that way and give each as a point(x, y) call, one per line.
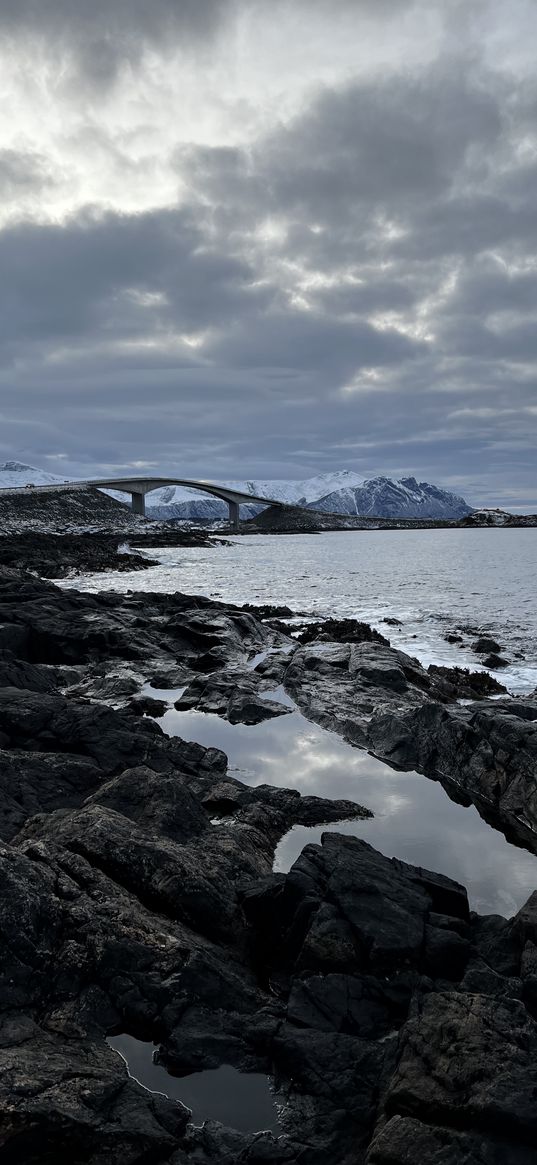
point(138, 896)
point(60, 555)
point(298, 520)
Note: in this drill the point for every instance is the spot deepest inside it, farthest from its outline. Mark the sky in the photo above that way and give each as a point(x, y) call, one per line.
point(271, 238)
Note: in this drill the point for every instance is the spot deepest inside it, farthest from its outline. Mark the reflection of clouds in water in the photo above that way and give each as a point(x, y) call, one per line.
point(394, 803)
point(422, 826)
point(414, 818)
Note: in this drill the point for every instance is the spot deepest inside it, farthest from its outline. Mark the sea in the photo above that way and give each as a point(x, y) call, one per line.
point(433, 582)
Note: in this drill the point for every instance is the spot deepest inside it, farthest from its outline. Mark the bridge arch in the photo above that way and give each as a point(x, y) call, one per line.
point(138, 487)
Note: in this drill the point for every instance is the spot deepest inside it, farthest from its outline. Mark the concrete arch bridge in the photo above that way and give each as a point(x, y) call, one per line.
point(138, 487)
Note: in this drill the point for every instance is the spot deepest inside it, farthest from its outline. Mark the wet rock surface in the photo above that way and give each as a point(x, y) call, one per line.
point(236, 696)
point(382, 699)
point(61, 555)
point(138, 896)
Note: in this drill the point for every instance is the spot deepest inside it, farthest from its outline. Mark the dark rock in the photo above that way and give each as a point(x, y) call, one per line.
point(480, 979)
point(484, 1053)
point(214, 1145)
point(445, 954)
point(489, 750)
point(273, 667)
point(112, 687)
point(379, 911)
point(339, 1003)
point(17, 673)
point(341, 631)
point(405, 1141)
point(113, 740)
point(380, 698)
point(148, 706)
point(484, 645)
point(269, 611)
point(168, 678)
point(460, 682)
point(73, 1100)
point(494, 662)
point(35, 782)
point(332, 1080)
point(233, 695)
point(58, 555)
point(138, 896)
point(14, 638)
point(161, 803)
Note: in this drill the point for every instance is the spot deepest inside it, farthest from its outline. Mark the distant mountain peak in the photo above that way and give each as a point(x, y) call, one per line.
point(14, 474)
point(382, 497)
point(17, 467)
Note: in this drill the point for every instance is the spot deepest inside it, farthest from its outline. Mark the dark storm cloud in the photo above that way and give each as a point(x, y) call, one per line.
point(489, 287)
point(102, 34)
point(368, 145)
point(111, 276)
point(311, 342)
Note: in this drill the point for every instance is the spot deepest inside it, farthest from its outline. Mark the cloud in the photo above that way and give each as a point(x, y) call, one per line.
point(113, 277)
point(22, 171)
point(350, 281)
point(103, 34)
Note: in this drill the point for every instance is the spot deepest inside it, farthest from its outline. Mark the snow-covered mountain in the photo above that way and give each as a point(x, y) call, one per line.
point(15, 475)
point(340, 492)
point(381, 497)
point(175, 501)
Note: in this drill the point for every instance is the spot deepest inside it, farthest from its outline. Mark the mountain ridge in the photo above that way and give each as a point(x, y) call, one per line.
point(384, 497)
point(338, 492)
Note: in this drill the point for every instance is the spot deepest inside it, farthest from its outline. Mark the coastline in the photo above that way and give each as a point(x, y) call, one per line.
point(143, 871)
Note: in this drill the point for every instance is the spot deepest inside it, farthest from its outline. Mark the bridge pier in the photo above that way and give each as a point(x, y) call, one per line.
point(138, 504)
point(234, 515)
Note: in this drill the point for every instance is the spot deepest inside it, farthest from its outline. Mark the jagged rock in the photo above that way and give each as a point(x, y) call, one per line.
point(214, 1145)
point(489, 750)
point(494, 662)
point(382, 699)
point(167, 677)
point(65, 1099)
point(342, 631)
point(331, 1083)
point(404, 1141)
point(14, 638)
point(345, 907)
point(113, 740)
point(138, 897)
point(485, 645)
point(469, 1061)
point(59, 555)
point(234, 695)
point(148, 706)
point(461, 682)
point(35, 782)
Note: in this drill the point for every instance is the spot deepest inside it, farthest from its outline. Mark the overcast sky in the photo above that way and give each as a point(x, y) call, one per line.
point(269, 238)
